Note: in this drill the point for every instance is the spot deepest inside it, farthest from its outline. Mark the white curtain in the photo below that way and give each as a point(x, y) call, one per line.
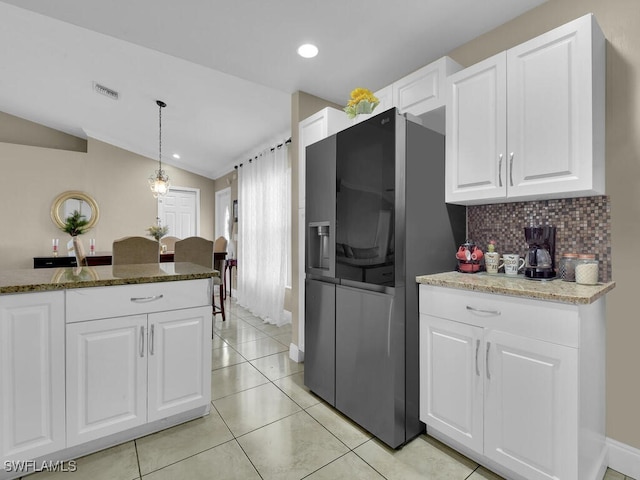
point(264, 229)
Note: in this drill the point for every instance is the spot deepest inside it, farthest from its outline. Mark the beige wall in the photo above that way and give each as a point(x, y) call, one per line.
point(619, 20)
point(32, 176)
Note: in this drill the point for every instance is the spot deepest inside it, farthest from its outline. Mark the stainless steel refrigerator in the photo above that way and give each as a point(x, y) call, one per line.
point(376, 218)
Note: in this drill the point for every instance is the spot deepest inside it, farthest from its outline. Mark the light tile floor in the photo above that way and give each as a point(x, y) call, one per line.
point(265, 424)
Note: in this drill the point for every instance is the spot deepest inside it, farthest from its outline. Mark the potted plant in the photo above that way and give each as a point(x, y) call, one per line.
point(158, 232)
point(76, 224)
point(362, 101)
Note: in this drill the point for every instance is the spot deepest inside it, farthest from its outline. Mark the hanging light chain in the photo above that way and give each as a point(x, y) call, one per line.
point(161, 105)
point(159, 182)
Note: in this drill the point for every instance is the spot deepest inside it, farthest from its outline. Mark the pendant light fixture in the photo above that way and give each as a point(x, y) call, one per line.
point(159, 181)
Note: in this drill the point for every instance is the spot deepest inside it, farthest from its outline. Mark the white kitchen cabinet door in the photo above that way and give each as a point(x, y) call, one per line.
point(32, 396)
point(423, 90)
point(451, 380)
point(106, 377)
point(179, 361)
point(476, 163)
point(555, 91)
point(531, 399)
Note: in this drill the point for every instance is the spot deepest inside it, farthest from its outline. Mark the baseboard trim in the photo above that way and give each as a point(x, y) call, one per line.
point(624, 458)
point(295, 354)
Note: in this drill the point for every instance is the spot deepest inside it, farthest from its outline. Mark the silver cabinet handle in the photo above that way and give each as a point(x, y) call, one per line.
point(141, 341)
point(480, 310)
point(477, 366)
point(152, 340)
point(511, 169)
point(500, 170)
point(146, 299)
point(487, 361)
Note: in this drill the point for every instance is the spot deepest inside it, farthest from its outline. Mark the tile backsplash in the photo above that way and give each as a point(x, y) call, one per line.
point(583, 226)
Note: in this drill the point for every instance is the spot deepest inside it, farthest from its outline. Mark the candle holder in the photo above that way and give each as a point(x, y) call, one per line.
point(54, 246)
point(92, 246)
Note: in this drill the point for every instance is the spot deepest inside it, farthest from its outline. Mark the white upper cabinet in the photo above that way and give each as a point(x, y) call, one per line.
point(423, 90)
point(385, 96)
point(418, 93)
point(528, 123)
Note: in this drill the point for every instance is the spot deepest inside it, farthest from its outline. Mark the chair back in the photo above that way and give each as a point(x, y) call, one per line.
point(130, 250)
point(170, 242)
point(219, 246)
point(196, 250)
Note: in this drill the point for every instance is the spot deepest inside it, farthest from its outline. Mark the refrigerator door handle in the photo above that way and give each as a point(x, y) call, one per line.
point(389, 317)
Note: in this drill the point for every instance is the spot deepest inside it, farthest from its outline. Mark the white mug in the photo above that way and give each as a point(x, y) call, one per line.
point(492, 262)
point(512, 263)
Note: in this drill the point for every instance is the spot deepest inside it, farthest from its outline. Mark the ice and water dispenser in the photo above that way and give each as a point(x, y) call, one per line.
point(319, 245)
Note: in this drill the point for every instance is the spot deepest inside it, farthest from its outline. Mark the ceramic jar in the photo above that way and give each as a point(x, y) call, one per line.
point(587, 269)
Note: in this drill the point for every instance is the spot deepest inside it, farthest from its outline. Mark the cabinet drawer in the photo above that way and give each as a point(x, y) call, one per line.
point(547, 321)
point(116, 301)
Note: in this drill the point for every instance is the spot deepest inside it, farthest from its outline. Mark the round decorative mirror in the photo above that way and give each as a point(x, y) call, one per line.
point(67, 202)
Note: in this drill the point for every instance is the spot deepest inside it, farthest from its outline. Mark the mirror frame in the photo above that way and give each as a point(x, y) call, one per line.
point(77, 195)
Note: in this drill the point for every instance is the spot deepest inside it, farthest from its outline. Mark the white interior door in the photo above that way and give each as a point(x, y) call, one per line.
point(180, 210)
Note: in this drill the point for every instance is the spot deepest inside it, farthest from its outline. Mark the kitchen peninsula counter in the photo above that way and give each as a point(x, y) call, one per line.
point(550, 290)
point(97, 356)
point(40, 280)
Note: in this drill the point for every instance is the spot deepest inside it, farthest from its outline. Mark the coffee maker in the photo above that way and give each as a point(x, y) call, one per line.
point(540, 258)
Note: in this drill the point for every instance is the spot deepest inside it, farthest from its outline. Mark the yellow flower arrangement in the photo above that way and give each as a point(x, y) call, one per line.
point(362, 101)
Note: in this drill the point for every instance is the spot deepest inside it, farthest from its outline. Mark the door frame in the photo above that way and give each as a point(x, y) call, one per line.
point(219, 194)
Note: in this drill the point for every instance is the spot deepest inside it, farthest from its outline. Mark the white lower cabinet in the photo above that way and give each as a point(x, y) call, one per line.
point(32, 397)
point(451, 380)
point(127, 371)
point(517, 384)
point(107, 377)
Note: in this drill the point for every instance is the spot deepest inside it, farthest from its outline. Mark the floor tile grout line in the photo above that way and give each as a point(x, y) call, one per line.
point(326, 465)
point(189, 456)
point(248, 458)
point(351, 450)
point(135, 446)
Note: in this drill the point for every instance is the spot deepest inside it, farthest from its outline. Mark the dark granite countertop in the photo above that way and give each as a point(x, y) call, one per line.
point(44, 279)
point(553, 290)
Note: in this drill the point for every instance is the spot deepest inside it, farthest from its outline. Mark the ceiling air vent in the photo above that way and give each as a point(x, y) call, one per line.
point(105, 91)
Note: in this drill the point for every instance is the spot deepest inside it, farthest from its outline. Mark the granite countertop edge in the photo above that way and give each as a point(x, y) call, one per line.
point(553, 291)
point(43, 280)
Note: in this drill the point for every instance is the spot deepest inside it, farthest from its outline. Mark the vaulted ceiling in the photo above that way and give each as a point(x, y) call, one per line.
point(226, 69)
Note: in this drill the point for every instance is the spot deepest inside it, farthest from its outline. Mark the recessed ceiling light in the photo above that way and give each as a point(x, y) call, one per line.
point(176, 156)
point(307, 50)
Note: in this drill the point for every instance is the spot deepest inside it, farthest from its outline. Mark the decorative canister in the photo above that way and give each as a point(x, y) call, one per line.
point(587, 269)
point(491, 259)
point(568, 267)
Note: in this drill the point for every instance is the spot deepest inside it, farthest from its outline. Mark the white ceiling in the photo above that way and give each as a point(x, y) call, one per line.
point(225, 68)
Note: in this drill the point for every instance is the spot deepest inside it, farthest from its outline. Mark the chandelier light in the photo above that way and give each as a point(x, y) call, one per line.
point(159, 181)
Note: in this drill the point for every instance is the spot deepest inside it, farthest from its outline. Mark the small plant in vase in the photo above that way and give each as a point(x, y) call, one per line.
point(362, 101)
point(158, 232)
